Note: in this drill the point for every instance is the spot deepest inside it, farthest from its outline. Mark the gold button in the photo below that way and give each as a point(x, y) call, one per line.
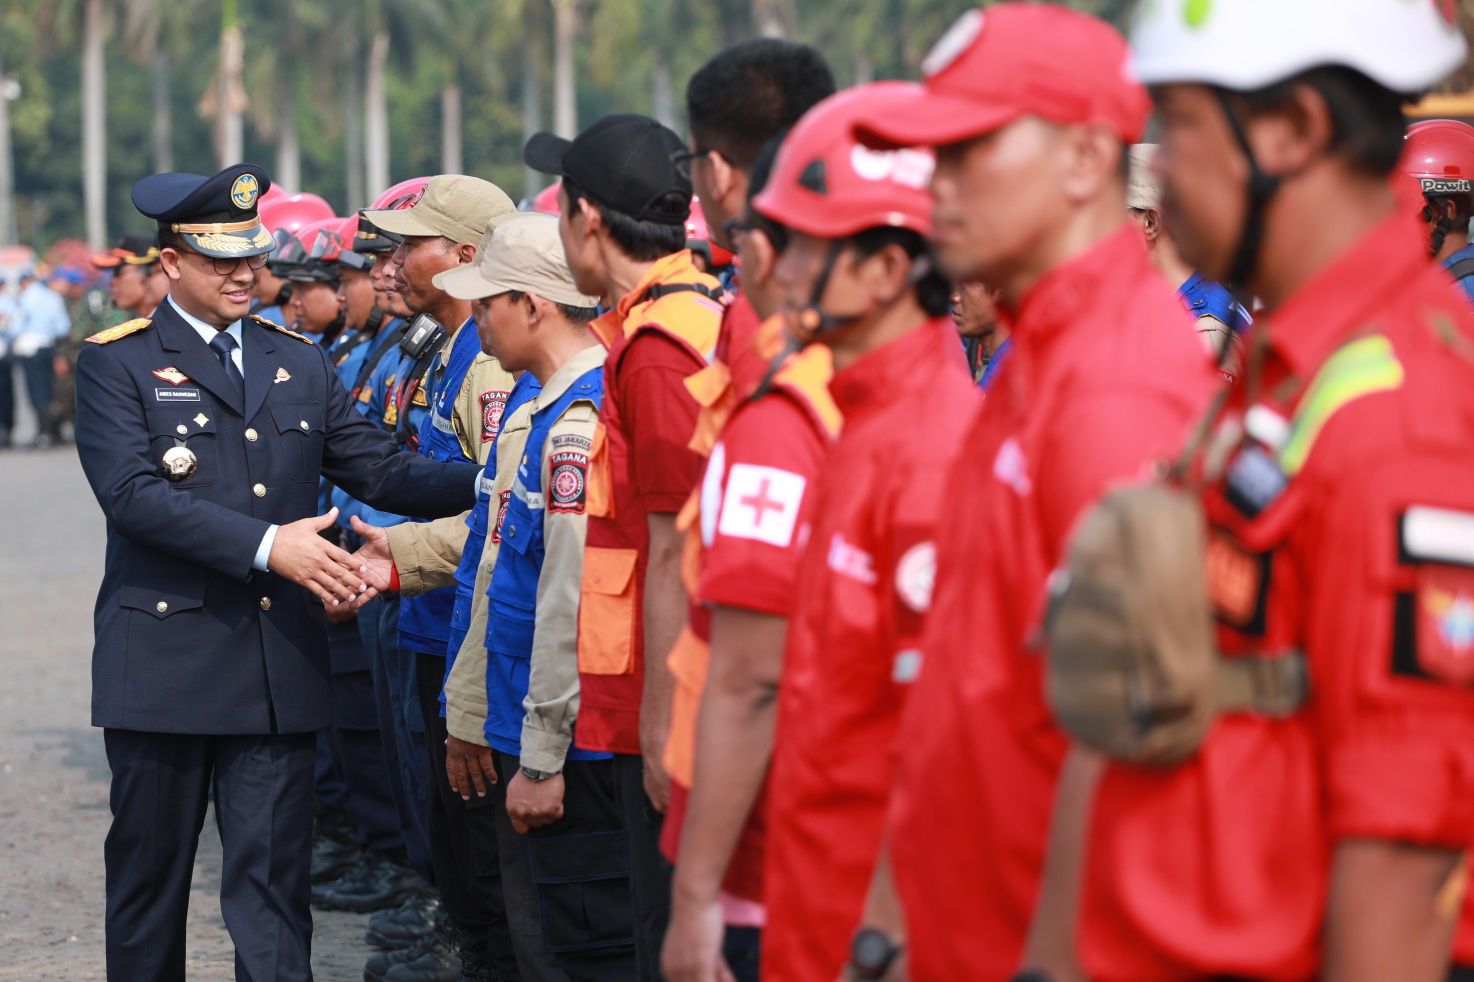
point(161, 607)
point(250, 434)
point(260, 490)
point(181, 429)
point(265, 603)
point(303, 424)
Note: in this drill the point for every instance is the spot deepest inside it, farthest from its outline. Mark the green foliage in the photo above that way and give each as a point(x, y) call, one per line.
point(303, 58)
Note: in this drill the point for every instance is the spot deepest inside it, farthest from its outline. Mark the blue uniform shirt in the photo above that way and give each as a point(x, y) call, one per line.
point(1466, 283)
point(1204, 298)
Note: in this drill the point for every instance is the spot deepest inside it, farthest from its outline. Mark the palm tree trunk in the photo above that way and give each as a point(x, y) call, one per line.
point(662, 102)
point(532, 107)
point(450, 130)
point(94, 134)
point(8, 231)
point(288, 146)
point(769, 18)
point(353, 147)
point(163, 121)
point(231, 99)
point(565, 91)
point(376, 117)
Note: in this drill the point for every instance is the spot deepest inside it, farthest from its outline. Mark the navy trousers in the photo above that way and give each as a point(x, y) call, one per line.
point(162, 783)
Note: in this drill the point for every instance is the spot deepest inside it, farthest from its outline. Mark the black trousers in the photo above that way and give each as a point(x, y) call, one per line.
point(463, 842)
point(7, 395)
point(40, 373)
point(650, 873)
point(567, 884)
point(162, 783)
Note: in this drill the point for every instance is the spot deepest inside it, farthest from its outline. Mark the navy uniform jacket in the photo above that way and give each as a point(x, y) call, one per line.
point(189, 638)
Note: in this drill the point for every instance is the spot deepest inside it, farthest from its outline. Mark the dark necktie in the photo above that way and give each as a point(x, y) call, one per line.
point(224, 344)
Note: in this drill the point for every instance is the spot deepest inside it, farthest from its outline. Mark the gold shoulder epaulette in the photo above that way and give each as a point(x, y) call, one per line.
point(120, 331)
point(285, 330)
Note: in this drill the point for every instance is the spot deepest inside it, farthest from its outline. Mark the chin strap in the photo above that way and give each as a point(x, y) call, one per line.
point(813, 321)
point(1261, 189)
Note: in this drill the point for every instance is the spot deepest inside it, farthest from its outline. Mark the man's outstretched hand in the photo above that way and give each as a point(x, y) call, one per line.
point(374, 557)
point(303, 556)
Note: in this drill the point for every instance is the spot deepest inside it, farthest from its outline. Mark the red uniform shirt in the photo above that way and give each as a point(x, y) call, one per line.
point(1341, 526)
point(744, 553)
point(640, 464)
point(1105, 374)
point(864, 583)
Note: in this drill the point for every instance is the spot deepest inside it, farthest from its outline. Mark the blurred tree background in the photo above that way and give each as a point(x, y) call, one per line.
point(342, 97)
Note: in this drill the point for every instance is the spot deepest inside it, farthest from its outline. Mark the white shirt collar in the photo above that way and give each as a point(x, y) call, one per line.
point(205, 331)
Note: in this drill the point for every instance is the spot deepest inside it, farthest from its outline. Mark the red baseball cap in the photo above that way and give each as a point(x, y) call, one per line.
point(1015, 59)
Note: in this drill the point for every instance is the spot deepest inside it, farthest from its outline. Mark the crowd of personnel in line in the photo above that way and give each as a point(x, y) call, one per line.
point(904, 559)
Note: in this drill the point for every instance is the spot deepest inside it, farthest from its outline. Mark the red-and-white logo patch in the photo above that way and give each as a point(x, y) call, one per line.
point(568, 476)
point(493, 405)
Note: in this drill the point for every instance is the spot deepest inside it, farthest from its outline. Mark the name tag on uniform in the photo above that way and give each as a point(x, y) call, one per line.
point(442, 424)
point(177, 395)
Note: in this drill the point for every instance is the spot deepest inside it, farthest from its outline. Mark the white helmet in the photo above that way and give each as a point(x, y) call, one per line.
point(1407, 46)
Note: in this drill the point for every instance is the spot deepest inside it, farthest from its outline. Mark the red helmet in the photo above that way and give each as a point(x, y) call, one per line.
point(291, 212)
point(313, 253)
point(346, 237)
point(369, 238)
point(271, 194)
point(1439, 153)
point(828, 184)
point(546, 200)
point(698, 237)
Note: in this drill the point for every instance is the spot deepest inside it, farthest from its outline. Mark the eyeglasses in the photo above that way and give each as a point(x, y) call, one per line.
point(681, 159)
point(777, 234)
point(224, 267)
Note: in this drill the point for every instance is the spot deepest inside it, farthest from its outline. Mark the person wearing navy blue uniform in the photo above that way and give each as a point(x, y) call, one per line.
point(203, 433)
point(460, 393)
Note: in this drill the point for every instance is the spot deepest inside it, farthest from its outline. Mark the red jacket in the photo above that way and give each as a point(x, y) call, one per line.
point(1105, 374)
point(863, 585)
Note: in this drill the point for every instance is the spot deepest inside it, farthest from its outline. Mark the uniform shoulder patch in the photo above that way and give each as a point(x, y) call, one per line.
point(277, 327)
point(120, 331)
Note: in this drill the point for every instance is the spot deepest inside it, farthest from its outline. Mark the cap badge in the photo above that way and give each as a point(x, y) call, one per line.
point(245, 191)
point(959, 37)
point(170, 374)
point(282, 375)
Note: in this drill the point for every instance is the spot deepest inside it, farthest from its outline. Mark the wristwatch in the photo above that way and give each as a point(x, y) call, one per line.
point(535, 776)
point(872, 952)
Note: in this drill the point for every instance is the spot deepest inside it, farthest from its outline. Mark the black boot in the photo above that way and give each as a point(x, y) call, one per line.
point(375, 883)
point(404, 925)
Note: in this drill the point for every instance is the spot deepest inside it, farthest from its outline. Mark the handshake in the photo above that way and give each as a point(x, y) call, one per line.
point(343, 581)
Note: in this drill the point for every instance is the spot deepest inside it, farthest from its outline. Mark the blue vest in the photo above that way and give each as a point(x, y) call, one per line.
point(424, 621)
point(479, 524)
point(1206, 298)
point(513, 591)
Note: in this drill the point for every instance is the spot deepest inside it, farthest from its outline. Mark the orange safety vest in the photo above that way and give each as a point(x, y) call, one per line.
point(804, 377)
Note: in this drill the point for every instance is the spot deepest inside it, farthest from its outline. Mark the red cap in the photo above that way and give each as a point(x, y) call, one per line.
point(827, 184)
point(546, 200)
point(1012, 60)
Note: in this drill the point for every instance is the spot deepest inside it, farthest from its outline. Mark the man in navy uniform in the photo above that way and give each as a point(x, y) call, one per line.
point(204, 432)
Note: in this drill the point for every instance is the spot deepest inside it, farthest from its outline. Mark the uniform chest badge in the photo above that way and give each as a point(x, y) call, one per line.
point(282, 375)
point(170, 374)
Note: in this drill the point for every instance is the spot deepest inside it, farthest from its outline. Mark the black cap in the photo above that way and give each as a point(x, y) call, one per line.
point(131, 250)
point(215, 214)
point(625, 162)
